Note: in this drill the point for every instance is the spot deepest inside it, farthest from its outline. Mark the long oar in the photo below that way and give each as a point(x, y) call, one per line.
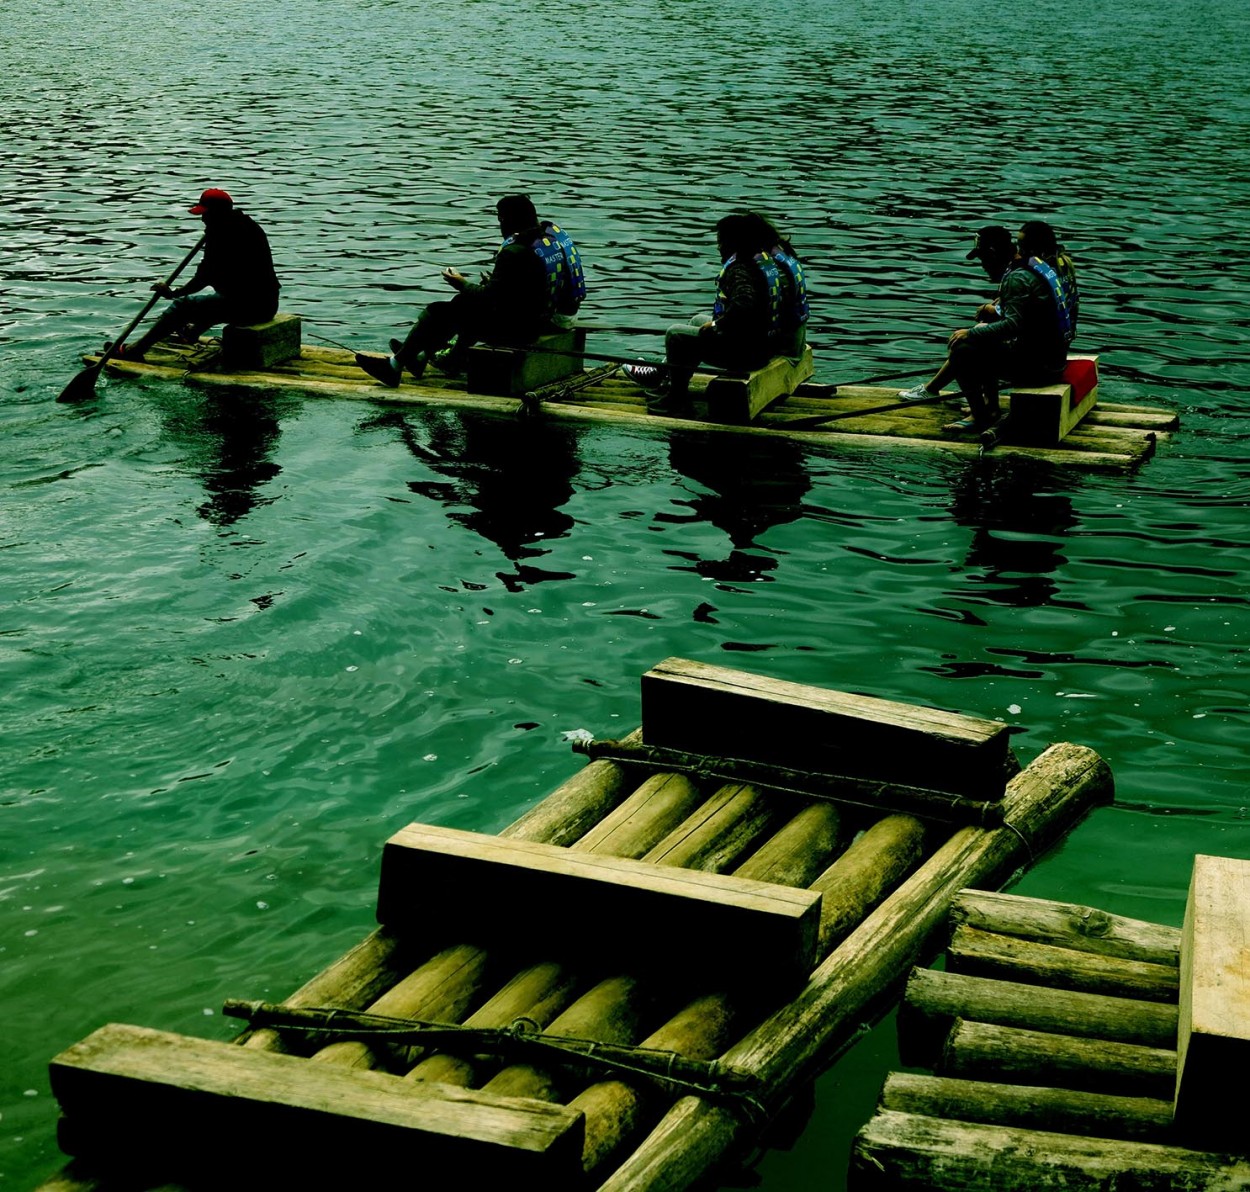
point(83, 385)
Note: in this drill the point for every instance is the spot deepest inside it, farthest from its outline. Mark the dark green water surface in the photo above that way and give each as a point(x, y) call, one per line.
point(244, 638)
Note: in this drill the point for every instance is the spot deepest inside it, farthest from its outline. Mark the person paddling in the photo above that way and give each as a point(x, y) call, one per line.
point(237, 267)
point(536, 285)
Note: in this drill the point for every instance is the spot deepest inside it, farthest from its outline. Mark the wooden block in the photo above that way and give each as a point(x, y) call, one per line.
point(131, 1092)
point(677, 923)
point(511, 372)
point(258, 345)
point(728, 713)
point(740, 399)
point(1043, 416)
point(1213, 1040)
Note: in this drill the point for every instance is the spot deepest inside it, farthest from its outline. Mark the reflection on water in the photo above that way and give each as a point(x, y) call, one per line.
point(229, 438)
point(506, 481)
point(1019, 518)
point(744, 487)
point(371, 138)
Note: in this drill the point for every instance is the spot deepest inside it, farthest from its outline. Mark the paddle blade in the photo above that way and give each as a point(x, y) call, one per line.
point(82, 386)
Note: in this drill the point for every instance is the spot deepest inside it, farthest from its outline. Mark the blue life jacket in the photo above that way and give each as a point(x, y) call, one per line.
point(800, 310)
point(1061, 282)
point(772, 279)
point(566, 280)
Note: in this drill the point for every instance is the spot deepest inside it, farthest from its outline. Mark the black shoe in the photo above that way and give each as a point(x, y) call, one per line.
point(416, 365)
point(668, 405)
point(379, 368)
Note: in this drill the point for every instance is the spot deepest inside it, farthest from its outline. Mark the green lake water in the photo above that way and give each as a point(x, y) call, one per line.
point(246, 637)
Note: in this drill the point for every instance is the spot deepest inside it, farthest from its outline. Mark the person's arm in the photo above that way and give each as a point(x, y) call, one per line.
point(746, 304)
point(1014, 296)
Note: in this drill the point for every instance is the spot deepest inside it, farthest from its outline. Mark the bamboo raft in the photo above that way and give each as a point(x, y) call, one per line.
point(1073, 1049)
point(775, 401)
point(620, 989)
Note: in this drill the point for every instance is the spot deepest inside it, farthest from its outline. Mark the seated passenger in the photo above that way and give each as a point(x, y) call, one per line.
point(761, 311)
point(1027, 343)
point(996, 250)
point(537, 284)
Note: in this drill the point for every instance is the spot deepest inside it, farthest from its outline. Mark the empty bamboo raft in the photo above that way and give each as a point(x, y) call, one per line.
point(621, 988)
point(1053, 1036)
point(1110, 436)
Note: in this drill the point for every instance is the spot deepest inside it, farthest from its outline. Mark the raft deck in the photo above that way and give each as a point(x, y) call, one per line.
point(712, 906)
point(1073, 1049)
point(1110, 436)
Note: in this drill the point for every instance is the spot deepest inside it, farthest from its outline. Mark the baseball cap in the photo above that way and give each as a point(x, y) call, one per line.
point(212, 197)
point(993, 238)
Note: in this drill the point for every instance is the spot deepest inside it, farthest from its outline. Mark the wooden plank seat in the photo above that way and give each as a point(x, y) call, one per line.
point(645, 918)
point(1042, 416)
point(259, 345)
point(165, 1102)
point(513, 372)
point(714, 710)
point(738, 399)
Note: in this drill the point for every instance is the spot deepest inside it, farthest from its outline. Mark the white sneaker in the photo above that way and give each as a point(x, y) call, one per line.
point(917, 393)
point(646, 375)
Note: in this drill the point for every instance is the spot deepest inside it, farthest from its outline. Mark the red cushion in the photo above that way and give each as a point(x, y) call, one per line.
point(1082, 375)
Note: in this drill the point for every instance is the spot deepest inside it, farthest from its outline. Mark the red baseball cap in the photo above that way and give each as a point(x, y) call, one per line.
point(213, 197)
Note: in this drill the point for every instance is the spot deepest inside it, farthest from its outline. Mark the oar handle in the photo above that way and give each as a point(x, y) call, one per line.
point(151, 302)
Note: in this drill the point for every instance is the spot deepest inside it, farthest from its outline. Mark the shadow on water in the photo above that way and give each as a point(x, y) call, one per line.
point(749, 485)
point(1019, 522)
point(505, 480)
point(231, 436)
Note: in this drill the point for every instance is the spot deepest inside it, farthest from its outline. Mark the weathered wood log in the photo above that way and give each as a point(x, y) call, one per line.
point(1011, 1055)
point(714, 710)
point(662, 918)
point(933, 999)
point(899, 1151)
point(441, 990)
point(855, 980)
point(574, 807)
point(1029, 1107)
point(983, 954)
point(1214, 1002)
point(660, 802)
point(877, 796)
point(137, 1091)
point(874, 864)
point(734, 822)
point(1082, 928)
point(795, 855)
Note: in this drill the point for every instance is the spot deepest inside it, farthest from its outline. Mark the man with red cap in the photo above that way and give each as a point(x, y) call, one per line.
point(236, 269)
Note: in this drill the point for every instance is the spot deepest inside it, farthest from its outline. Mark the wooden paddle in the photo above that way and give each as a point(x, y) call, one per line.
point(82, 386)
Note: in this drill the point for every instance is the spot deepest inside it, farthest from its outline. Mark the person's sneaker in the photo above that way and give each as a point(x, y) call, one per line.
point(917, 393)
point(646, 375)
point(665, 405)
point(379, 368)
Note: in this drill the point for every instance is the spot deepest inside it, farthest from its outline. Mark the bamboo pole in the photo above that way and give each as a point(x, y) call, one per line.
point(1067, 924)
point(790, 1047)
point(896, 1152)
point(983, 954)
point(934, 999)
point(1029, 1107)
point(981, 1051)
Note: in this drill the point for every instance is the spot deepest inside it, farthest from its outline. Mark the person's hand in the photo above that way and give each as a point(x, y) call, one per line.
point(162, 288)
point(707, 328)
point(956, 336)
point(455, 279)
point(987, 313)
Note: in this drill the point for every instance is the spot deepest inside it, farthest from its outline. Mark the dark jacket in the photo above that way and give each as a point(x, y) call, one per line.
point(1028, 327)
point(237, 264)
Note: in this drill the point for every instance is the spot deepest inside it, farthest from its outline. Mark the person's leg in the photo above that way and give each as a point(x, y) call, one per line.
point(977, 367)
point(197, 312)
